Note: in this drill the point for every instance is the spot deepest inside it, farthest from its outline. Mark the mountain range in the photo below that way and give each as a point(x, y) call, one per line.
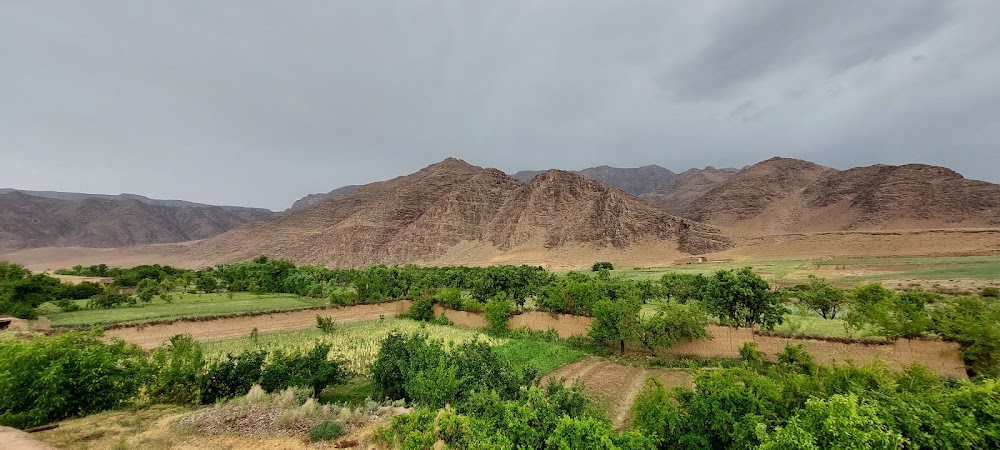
point(453, 212)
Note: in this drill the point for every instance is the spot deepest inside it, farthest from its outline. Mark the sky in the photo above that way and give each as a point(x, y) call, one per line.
point(258, 103)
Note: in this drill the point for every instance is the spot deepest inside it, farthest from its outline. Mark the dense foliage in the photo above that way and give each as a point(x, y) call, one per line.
point(469, 397)
point(52, 378)
point(45, 379)
point(419, 369)
point(795, 404)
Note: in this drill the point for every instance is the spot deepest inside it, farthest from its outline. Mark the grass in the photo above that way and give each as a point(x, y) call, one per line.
point(541, 355)
point(358, 343)
point(354, 392)
point(183, 306)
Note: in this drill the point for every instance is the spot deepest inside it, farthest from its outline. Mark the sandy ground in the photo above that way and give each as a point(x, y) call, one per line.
point(941, 242)
point(615, 386)
point(151, 336)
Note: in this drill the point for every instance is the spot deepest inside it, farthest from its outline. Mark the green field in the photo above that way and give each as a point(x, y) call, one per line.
point(787, 271)
point(182, 306)
point(358, 343)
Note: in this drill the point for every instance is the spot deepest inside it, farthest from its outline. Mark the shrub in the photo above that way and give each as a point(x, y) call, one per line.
point(796, 357)
point(750, 354)
point(311, 368)
point(110, 300)
point(990, 292)
point(325, 324)
point(231, 377)
point(418, 369)
point(326, 431)
point(175, 369)
point(421, 309)
point(497, 312)
point(46, 379)
point(602, 265)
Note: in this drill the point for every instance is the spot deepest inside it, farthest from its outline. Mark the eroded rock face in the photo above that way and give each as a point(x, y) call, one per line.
point(426, 214)
point(633, 180)
point(678, 196)
point(790, 195)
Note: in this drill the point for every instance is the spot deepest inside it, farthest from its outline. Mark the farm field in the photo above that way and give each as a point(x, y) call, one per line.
point(358, 343)
point(183, 306)
point(977, 270)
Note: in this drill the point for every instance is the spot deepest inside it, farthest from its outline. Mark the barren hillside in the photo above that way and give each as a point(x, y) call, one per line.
point(677, 196)
point(465, 212)
point(635, 181)
point(781, 195)
point(27, 221)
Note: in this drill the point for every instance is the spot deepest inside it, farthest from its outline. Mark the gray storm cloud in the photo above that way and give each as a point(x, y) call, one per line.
point(258, 103)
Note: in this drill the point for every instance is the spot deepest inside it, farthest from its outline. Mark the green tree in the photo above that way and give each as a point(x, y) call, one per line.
point(175, 370)
point(616, 321)
point(147, 289)
point(822, 297)
point(672, 322)
point(742, 298)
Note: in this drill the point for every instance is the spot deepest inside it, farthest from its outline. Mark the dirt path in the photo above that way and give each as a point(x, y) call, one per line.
point(616, 386)
point(150, 336)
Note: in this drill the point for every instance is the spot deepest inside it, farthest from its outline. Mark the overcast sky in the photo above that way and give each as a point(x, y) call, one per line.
point(258, 103)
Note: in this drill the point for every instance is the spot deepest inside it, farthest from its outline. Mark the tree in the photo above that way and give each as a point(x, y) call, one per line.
point(598, 266)
point(614, 321)
point(898, 315)
point(147, 289)
point(671, 323)
point(742, 298)
point(822, 297)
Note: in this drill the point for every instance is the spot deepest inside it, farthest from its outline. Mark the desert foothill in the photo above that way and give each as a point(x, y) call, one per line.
point(366, 225)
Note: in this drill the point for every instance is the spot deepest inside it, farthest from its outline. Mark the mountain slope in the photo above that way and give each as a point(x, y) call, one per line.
point(635, 181)
point(463, 211)
point(781, 195)
point(315, 199)
point(677, 196)
point(248, 213)
point(27, 221)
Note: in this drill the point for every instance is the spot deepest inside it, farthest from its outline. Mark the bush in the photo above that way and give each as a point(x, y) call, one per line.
point(421, 309)
point(451, 297)
point(110, 300)
point(326, 431)
point(311, 368)
point(231, 377)
point(602, 265)
point(497, 312)
point(750, 355)
point(990, 292)
point(673, 322)
point(46, 379)
point(325, 324)
point(797, 358)
point(175, 370)
point(418, 369)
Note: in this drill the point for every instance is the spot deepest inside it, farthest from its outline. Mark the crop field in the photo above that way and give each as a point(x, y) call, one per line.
point(357, 343)
point(844, 271)
point(182, 306)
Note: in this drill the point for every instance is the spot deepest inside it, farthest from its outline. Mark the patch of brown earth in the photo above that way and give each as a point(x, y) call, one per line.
point(615, 386)
point(151, 336)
